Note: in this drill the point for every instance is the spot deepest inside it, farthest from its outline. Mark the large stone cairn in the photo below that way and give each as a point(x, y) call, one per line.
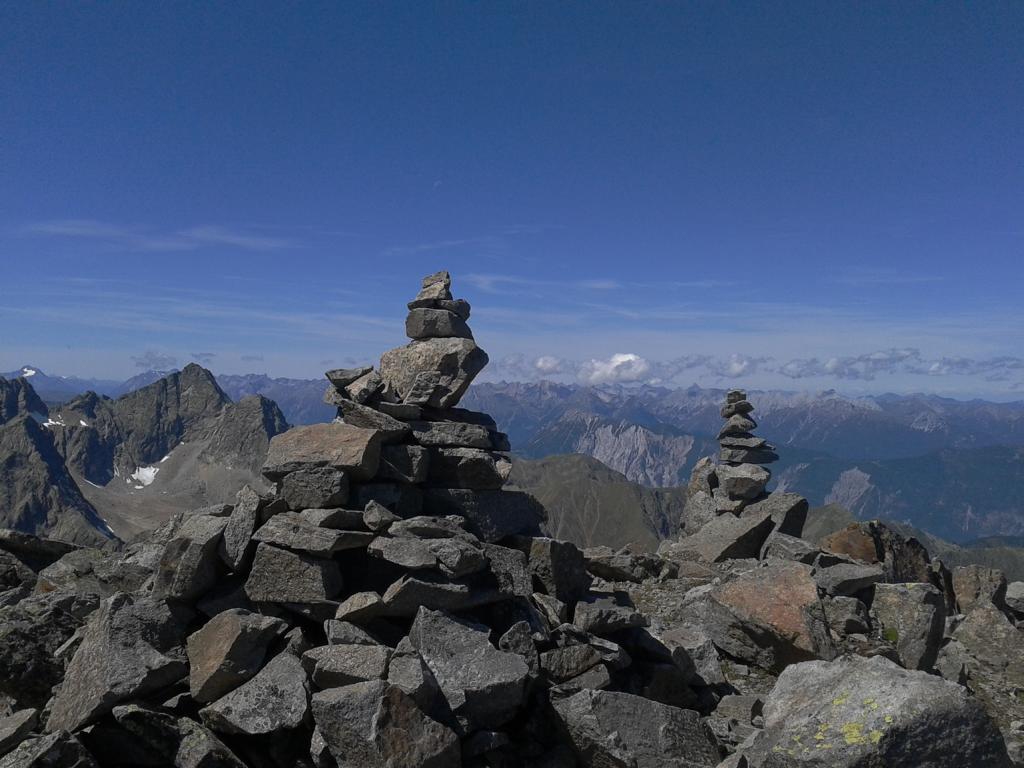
point(742, 478)
point(390, 605)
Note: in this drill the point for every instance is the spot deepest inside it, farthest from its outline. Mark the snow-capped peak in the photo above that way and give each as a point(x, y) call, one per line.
point(27, 371)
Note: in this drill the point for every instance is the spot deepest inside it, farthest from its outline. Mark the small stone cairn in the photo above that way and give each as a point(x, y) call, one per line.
point(742, 478)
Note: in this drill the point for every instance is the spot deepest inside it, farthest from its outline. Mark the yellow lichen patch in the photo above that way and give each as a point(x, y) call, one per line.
point(853, 733)
point(889, 719)
point(876, 736)
point(822, 731)
point(840, 700)
point(870, 703)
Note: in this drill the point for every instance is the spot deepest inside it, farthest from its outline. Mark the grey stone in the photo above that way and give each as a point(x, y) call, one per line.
point(391, 430)
point(425, 323)
point(1015, 597)
point(743, 708)
point(342, 377)
point(331, 666)
point(401, 498)
point(316, 488)
point(404, 463)
point(377, 725)
point(130, 647)
point(784, 547)
point(14, 728)
point(468, 468)
point(456, 362)
point(848, 578)
point(379, 518)
point(282, 576)
point(727, 537)
point(338, 519)
point(975, 583)
point(245, 516)
point(353, 450)
point(787, 510)
point(407, 595)
point(436, 287)
point(55, 750)
point(912, 617)
point(346, 633)
point(734, 456)
point(605, 614)
point(618, 729)
point(401, 411)
point(743, 482)
point(89, 571)
point(700, 506)
point(361, 606)
point(274, 700)
point(228, 651)
point(459, 306)
point(559, 567)
point(872, 712)
point(510, 570)
point(451, 433)
point(491, 515)
point(846, 615)
point(427, 527)
point(425, 386)
point(737, 424)
point(519, 639)
point(365, 388)
point(561, 664)
point(409, 672)
point(291, 531)
point(479, 682)
point(188, 565)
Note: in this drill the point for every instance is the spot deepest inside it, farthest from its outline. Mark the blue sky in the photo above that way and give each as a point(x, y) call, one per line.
point(799, 195)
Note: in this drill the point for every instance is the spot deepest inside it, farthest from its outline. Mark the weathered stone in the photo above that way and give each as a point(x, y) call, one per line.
point(491, 515)
point(347, 633)
point(519, 639)
point(612, 729)
point(741, 407)
point(365, 388)
point(408, 671)
point(401, 411)
point(480, 683)
point(188, 565)
point(741, 708)
point(625, 566)
point(130, 647)
point(1014, 598)
point(787, 510)
point(436, 287)
point(390, 430)
point(427, 527)
point(912, 617)
point(561, 664)
point(725, 538)
point(604, 614)
point(407, 595)
point(559, 568)
point(414, 554)
point(362, 606)
point(468, 468)
point(404, 463)
point(451, 433)
point(510, 570)
point(342, 446)
point(378, 518)
point(975, 583)
point(848, 578)
point(784, 547)
point(455, 361)
point(291, 531)
point(342, 377)
point(769, 616)
point(337, 518)
point(282, 576)
point(733, 456)
point(164, 737)
point(274, 700)
point(55, 750)
point(866, 712)
point(316, 488)
point(401, 498)
point(425, 323)
point(459, 306)
point(35, 552)
point(743, 482)
point(737, 424)
point(334, 665)
point(903, 559)
point(88, 571)
point(846, 615)
point(229, 650)
point(14, 728)
point(245, 516)
point(377, 725)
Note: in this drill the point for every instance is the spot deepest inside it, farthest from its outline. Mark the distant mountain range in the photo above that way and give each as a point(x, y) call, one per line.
point(953, 468)
point(94, 467)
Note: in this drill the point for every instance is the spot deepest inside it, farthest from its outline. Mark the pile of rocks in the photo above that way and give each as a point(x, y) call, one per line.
point(742, 477)
point(390, 604)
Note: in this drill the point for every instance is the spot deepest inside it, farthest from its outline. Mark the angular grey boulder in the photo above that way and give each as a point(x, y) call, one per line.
point(188, 565)
point(619, 729)
point(726, 537)
point(468, 468)
point(559, 567)
point(743, 482)
point(912, 617)
point(353, 450)
point(456, 362)
point(480, 683)
point(274, 700)
point(291, 531)
point(333, 665)
point(865, 712)
point(55, 750)
point(316, 488)
point(15, 727)
point(281, 576)
point(245, 517)
point(130, 647)
point(377, 725)
point(228, 651)
point(425, 323)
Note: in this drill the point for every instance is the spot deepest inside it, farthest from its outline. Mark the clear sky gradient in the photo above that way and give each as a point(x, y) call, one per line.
point(798, 195)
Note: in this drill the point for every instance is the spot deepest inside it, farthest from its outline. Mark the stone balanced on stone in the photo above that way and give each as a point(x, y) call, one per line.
point(741, 477)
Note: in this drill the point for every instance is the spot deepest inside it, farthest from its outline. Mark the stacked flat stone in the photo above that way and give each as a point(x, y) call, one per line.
point(741, 477)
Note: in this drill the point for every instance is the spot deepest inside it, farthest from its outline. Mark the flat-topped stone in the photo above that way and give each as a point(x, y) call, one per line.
point(342, 446)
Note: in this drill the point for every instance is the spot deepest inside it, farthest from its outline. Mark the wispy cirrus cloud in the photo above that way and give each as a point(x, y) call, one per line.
point(136, 238)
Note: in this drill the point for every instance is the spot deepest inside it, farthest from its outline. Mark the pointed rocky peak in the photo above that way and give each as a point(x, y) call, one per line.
point(241, 434)
point(18, 398)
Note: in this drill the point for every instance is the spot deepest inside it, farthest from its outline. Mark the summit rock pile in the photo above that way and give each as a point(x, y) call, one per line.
point(390, 604)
